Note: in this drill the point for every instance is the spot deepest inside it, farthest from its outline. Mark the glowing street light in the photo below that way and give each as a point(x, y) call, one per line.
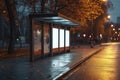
point(104, 0)
point(84, 35)
point(112, 25)
point(113, 29)
point(101, 36)
point(108, 16)
point(107, 19)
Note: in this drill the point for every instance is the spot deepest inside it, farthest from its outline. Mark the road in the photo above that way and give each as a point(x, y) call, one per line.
point(105, 65)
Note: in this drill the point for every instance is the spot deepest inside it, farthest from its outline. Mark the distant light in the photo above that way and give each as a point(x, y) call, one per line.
point(104, 0)
point(84, 35)
point(78, 34)
point(4, 11)
point(108, 16)
point(116, 32)
point(113, 29)
point(17, 39)
point(38, 32)
point(118, 28)
point(101, 36)
point(111, 25)
point(90, 36)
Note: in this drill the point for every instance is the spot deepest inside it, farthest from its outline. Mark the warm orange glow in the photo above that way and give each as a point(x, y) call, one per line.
point(113, 29)
point(115, 32)
point(111, 25)
point(118, 28)
point(104, 0)
point(108, 16)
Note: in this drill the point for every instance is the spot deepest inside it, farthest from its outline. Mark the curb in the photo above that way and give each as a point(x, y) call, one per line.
point(62, 75)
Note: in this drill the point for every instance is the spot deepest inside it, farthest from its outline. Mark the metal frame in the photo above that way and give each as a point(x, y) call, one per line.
point(58, 19)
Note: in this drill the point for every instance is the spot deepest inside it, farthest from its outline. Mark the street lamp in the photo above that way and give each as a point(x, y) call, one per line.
point(113, 29)
point(108, 16)
point(84, 35)
point(112, 25)
point(104, 0)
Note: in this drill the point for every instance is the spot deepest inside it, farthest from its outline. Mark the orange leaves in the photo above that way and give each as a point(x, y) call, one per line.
point(83, 10)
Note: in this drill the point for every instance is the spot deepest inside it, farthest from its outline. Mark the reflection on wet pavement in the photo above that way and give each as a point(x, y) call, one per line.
point(44, 69)
point(15, 69)
point(102, 66)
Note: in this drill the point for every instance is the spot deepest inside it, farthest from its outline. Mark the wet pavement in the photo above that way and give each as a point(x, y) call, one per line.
point(105, 65)
point(49, 68)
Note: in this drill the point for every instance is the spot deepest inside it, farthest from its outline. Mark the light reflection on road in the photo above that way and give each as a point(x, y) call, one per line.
point(102, 66)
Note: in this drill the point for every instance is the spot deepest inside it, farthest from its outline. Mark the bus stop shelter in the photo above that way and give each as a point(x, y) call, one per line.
point(49, 34)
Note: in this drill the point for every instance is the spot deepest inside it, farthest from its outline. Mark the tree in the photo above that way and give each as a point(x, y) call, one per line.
point(12, 24)
point(89, 13)
point(101, 20)
point(84, 11)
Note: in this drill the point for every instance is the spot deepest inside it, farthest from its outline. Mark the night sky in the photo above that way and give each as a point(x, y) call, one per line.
point(115, 12)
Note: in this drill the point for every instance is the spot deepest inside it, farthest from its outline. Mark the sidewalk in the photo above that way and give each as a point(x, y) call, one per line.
point(49, 68)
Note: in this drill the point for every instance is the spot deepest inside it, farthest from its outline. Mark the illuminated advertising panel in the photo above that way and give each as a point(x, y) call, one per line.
point(36, 29)
point(67, 42)
point(55, 40)
point(61, 39)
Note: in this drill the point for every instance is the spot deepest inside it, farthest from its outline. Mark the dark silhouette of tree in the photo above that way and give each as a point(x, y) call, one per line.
point(10, 8)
